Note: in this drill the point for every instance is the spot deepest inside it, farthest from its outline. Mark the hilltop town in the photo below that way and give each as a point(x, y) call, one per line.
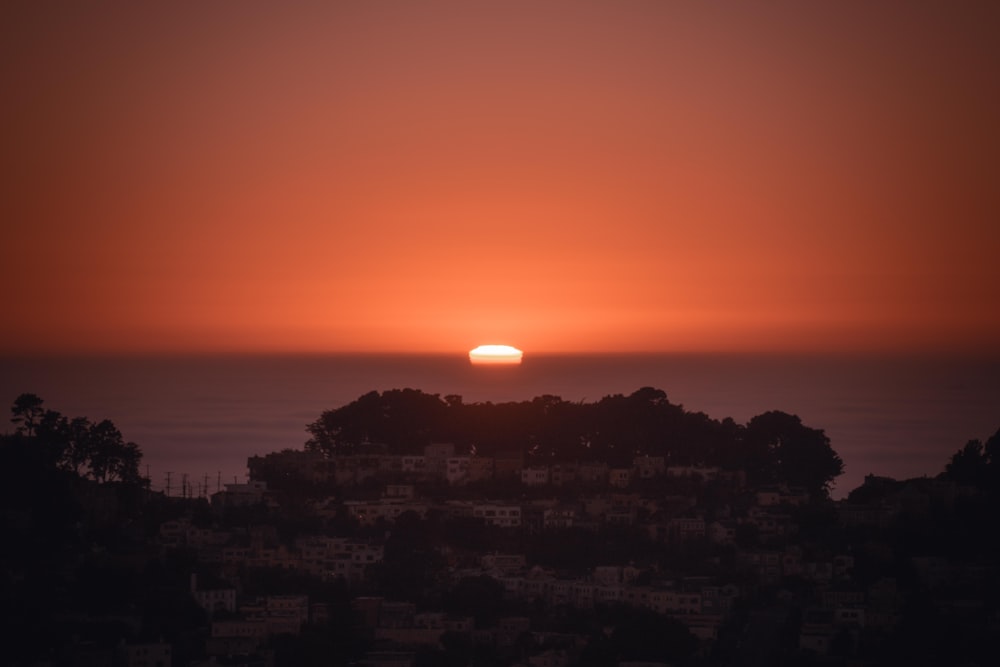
point(446, 556)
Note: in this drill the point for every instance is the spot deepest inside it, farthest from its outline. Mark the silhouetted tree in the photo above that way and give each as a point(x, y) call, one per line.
point(992, 449)
point(403, 419)
point(27, 411)
point(111, 458)
point(76, 444)
point(977, 464)
point(969, 464)
point(795, 454)
point(80, 441)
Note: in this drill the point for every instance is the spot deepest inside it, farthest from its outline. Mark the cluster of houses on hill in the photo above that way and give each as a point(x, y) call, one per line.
point(701, 603)
point(749, 540)
point(438, 461)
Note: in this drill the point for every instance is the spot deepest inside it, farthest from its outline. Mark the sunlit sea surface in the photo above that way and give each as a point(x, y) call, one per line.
point(203, 416)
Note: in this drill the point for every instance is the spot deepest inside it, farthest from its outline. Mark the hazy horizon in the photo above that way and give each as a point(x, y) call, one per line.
point(896, 417)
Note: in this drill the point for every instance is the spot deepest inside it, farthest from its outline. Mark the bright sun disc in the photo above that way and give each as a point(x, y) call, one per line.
point(495, 354)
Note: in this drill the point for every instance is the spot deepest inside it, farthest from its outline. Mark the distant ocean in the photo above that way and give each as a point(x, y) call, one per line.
point(203, 416)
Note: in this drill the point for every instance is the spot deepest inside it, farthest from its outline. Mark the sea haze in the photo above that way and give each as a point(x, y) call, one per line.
point(203, 415)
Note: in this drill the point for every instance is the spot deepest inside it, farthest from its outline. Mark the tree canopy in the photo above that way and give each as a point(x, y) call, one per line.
point(976, 464)
point(96, 450)
point(774, 447)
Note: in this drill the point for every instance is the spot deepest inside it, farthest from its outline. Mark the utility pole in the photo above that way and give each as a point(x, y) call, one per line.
point(169, 473)
point(204, 489)
point(184, 486)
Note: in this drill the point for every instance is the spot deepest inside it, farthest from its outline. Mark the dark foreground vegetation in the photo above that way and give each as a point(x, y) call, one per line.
point(630, 531)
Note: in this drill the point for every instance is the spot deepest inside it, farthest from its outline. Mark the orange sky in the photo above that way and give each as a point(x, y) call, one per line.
point(582, 176)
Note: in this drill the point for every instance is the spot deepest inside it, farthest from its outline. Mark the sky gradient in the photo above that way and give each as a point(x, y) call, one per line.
point(427, 177)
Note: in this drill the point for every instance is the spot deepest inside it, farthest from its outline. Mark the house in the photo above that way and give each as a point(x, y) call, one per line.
point(396, 614)
point(707, 473)
point(620, 477)
point(535, 585)
point(399, 491)
point(767, 497)
point(507, 563)
point(816, 630)
point(791, 562)
point(369, 512)
point(769, 523)
point(597, 506)
point(560, 592)
point(649, 466)
point(174, 533)
point(390, 463)
point(767, 564)
point(457, 470)
point(227, 646)
point(239, 495)
point(721, 532)
point(818, 572)
point(843, 566)
point(563, 473)
point(681, 602)
point(240, 627)
point(561, 516)
point(508, 463)
point(593, 472)
point(533, 516)
point(349, 470)
point(685, 528)
point(704, 626)
point(504, 515)
point(842, 597)
point(213, 599)
point(307, 465)
point(351, 562)
point(480, 468)
point(607, 575)
point(535, 476)
point(718, 600)
point(853, 515)
point(281, 614)
point(510, 628)
point(414, 464)
point(436, 457)
point(610, 594)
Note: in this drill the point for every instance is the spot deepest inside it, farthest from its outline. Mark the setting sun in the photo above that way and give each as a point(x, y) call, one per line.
point(495, 354)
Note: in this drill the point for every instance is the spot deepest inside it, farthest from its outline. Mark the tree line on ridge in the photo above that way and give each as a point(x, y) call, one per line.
point(88, 449)
point(774, 447)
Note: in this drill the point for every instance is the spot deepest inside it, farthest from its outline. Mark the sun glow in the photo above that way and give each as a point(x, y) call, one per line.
point(495, 354)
